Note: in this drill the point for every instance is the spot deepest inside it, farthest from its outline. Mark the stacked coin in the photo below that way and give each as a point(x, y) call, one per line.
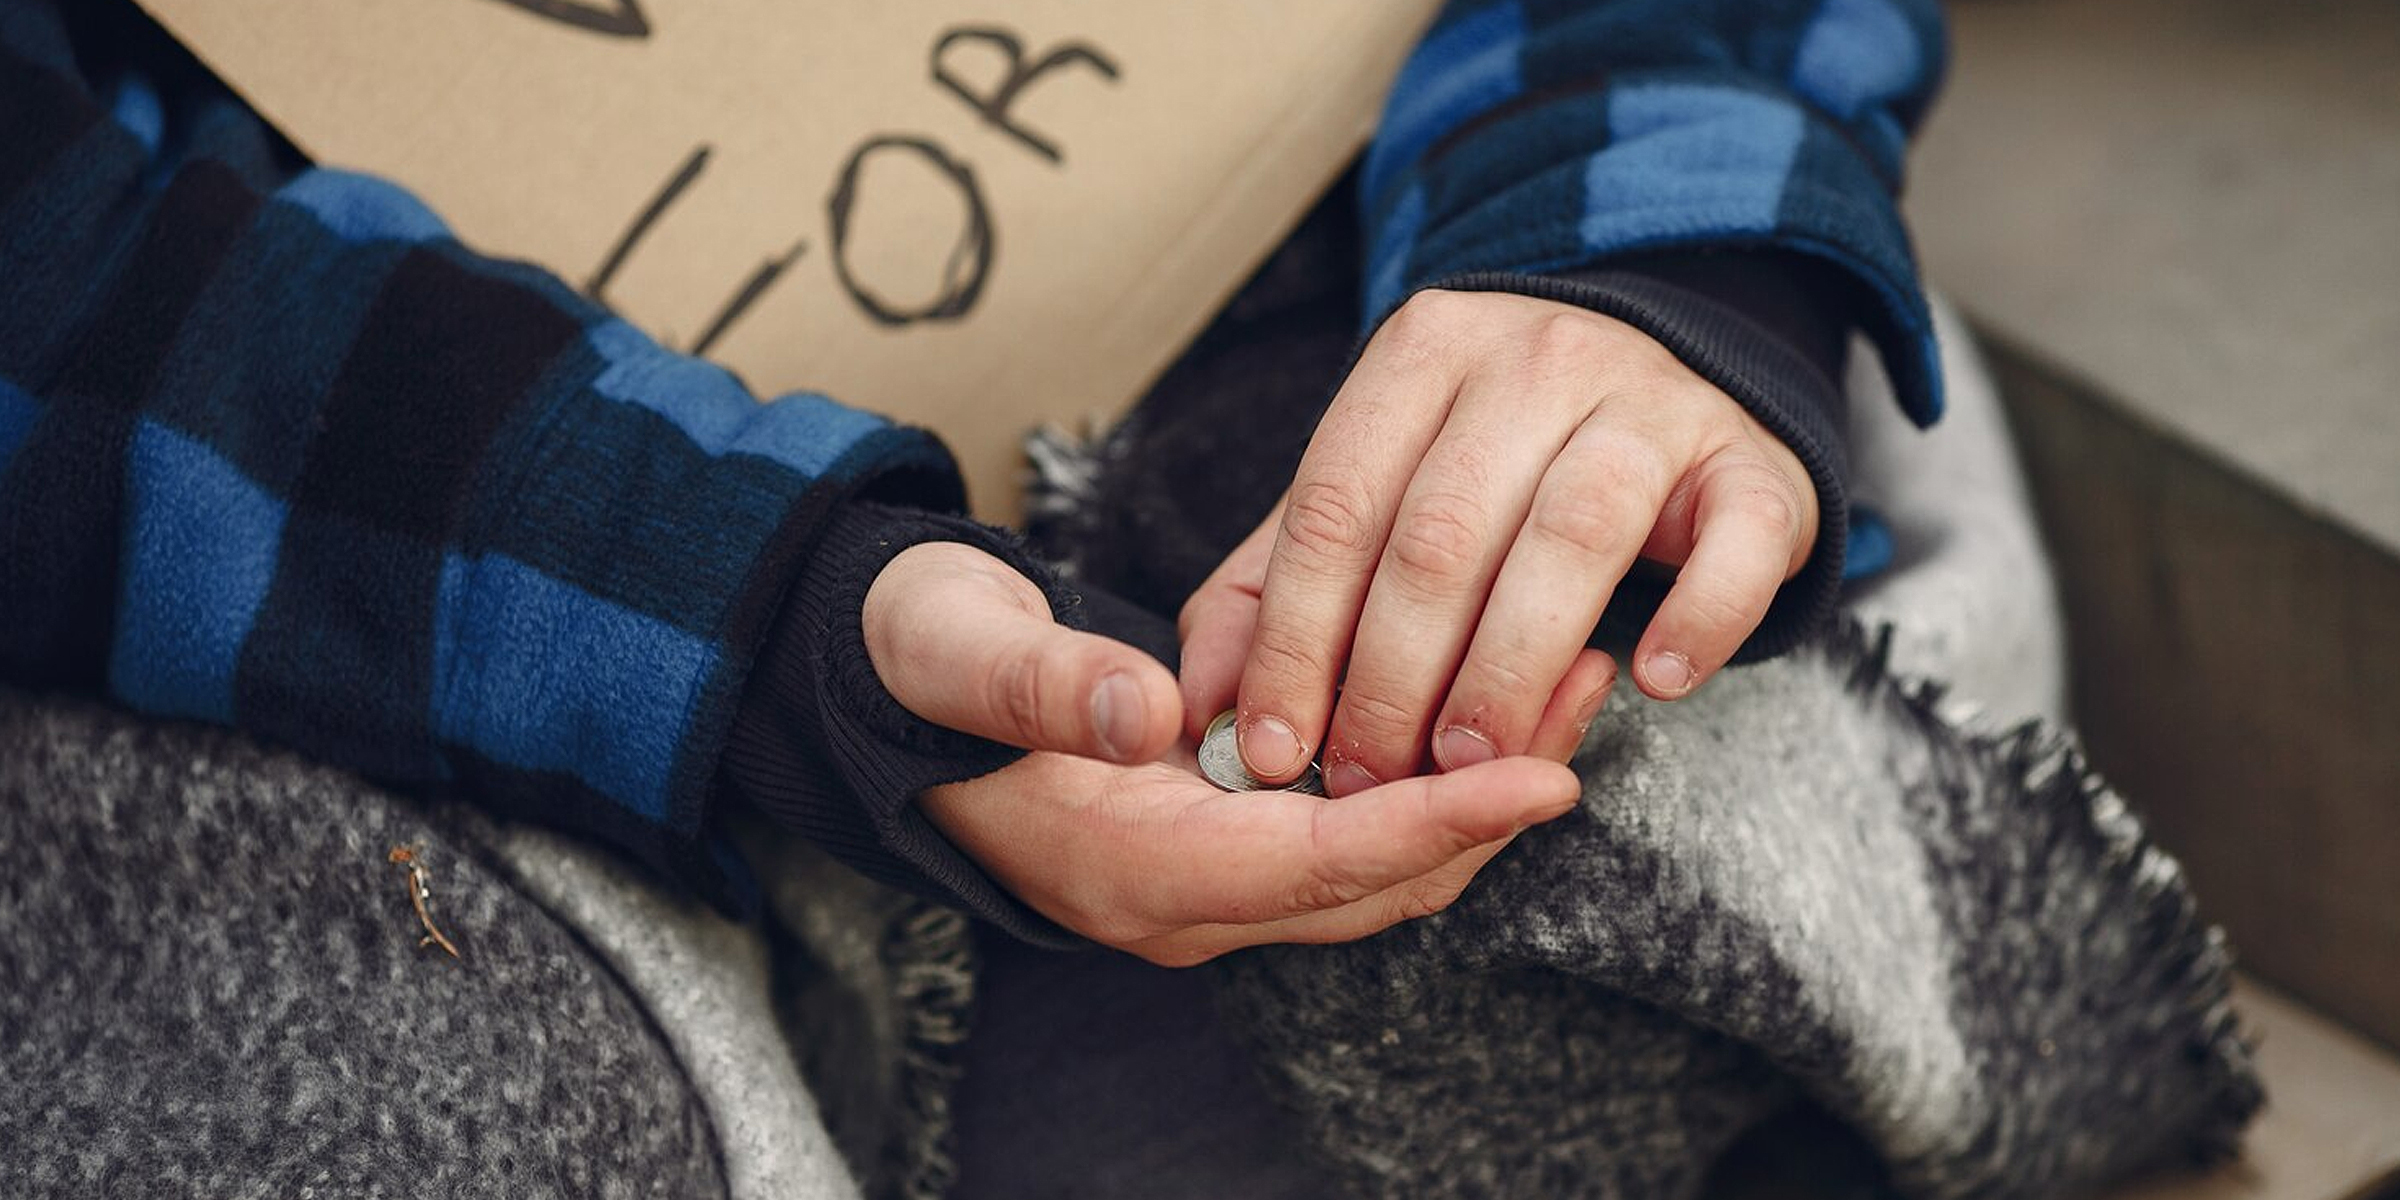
point(1221, 762)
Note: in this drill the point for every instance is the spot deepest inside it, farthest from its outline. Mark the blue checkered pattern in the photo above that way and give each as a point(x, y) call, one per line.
point(276, 451)
point(1541, 135)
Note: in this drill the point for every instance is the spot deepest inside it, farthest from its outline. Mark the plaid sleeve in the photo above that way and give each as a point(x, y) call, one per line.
point(1542, 135)
point(276, 451)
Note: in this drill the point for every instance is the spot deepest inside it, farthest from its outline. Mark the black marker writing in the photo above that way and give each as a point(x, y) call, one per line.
point(974, 245)
point(621, 18)
point(970, 256)
point(683, 178)
point(994, 108)
point(753, 288)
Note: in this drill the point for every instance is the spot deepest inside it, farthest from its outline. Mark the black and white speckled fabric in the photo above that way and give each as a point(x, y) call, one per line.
point(1962, 947)
point(1806, 885)
point(213, 987)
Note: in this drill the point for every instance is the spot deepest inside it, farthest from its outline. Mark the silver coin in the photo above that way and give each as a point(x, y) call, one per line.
point(1221, 763)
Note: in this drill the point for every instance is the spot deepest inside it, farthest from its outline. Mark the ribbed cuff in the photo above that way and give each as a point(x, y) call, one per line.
point(1786, 389)
point(821, 747)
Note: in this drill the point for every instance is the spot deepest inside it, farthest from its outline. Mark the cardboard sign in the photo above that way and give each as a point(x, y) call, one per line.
point(969, 216)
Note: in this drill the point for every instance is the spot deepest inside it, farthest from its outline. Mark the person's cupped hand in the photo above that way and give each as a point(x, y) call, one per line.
point(1480, 484)
point(1108, 829)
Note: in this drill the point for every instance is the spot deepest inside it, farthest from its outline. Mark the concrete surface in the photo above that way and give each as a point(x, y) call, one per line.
point(2194, 204)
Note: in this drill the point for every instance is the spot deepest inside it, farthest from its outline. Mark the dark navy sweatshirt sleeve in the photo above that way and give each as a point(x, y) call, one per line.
point(276, 451)
point(821, 747)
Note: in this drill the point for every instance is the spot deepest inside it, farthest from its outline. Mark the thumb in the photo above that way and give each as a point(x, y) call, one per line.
point(962, 640)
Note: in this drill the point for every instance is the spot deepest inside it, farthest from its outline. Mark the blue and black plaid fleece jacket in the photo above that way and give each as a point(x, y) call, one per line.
point(1540, 136)
point(276, 451)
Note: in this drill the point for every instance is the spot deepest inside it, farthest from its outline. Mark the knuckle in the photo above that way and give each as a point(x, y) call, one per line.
point(1328, 885)
point(1280, 655)
point(1583, 519)
point(1507, 675)
point(1643, 389)
point(1572, 339)
point(1014, 693)
point(1328, 521)
point(1376, 721)
point(1426, 321)
point(1640, 462)
point(1439, 542)
point(1633, 466)
point(1215, 607)
point(1722, 418)
point(1765, 499)
point(1716, 608)
point(1663, 368)
point(1646, 365)
point(1198, 606)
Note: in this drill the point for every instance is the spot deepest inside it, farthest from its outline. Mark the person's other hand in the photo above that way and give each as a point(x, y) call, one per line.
point(1482, 481)
point(1151, 858)
point(961, 639)
point(1155, 861)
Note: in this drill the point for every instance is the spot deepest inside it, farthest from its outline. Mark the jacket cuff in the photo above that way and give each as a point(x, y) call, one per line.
point(821, 747)
point(1772, 364)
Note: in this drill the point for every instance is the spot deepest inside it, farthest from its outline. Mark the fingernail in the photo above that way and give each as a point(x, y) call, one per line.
point(1269, 747)
point(1669, 673)
point(1588, 708)
point(1344, 778)
point(1119, 715)
point(1459, 747)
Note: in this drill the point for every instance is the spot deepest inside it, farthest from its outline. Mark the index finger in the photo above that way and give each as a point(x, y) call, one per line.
point(1336, 517)
point(1217, 623)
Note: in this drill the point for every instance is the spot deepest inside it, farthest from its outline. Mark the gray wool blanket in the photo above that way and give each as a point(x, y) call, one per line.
point(1824, 881)
point(213, 983)
point(1818, 886)
point(210, 985)
point(1961, 947)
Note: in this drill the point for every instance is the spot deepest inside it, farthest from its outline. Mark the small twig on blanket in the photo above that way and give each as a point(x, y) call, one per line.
point(418, 894)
